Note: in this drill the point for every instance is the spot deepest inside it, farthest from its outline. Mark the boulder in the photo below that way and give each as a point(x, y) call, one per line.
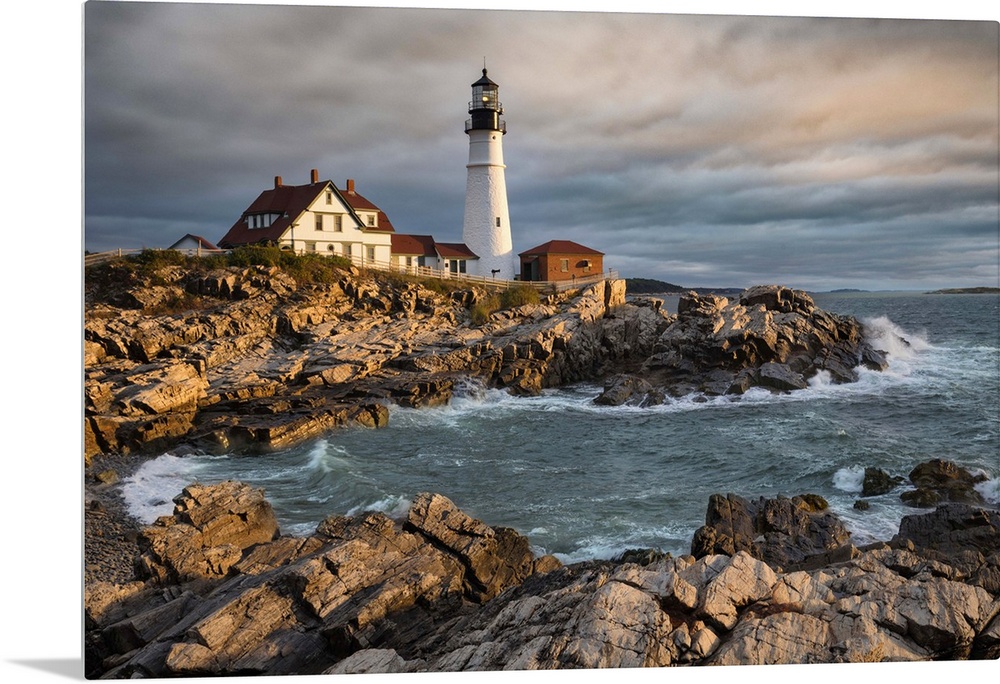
point(877, 482)
point(959, 534)
point(939, 480)
point(207, 534)
point(628, 389)
point(779, 377)
point(771, 336)
point(780, 531)
point(496, 558)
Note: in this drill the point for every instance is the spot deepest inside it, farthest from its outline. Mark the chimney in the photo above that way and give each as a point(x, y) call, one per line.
point(315, 176)
point(350, 186)
point(277, 181)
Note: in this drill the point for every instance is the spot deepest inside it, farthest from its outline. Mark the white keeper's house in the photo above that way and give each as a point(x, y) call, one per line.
point(315, 217)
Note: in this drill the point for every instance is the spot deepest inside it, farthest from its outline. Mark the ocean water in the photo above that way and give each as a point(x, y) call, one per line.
point(584, 481)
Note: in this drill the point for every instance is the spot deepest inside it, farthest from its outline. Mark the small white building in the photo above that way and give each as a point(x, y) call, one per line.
point(317, 218)
point(194, 242)
point(413, 252)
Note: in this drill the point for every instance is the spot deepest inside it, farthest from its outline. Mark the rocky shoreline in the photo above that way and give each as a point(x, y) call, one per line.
point(250, 358)
point(218, 590)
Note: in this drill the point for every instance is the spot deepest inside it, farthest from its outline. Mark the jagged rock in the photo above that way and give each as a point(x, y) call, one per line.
point(778, 298)
point(248, 602)
point(371, 594)
point(958, 534)
point(496, 558)
point(779, 531)
point(372, 660)
point(170, 387)
point(207, 534)
point(778, 376)
point(771, 336)
point(628, 389)
point(877, 482)
point(744, 581)
point(938, 480)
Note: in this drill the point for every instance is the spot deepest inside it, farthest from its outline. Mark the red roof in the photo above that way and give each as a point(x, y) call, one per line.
point(413, 245)
point(455, 249)
point(356, 202)
point(560, 247)
point(289, 201)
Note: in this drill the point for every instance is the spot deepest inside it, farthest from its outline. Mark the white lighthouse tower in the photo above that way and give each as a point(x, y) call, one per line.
point(486, 228)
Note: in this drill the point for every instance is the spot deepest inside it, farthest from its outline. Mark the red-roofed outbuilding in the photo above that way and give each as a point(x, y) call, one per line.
point(560, 260)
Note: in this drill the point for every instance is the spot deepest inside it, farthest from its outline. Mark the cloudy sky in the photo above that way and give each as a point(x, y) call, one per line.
point(701, 150)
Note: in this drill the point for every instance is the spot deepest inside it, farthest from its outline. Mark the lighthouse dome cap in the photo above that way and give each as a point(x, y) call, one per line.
point(484, 81)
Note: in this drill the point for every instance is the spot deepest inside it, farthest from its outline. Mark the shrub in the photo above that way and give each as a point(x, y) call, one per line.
point(480, 311)
point(518, 296)
point(150, 260)
point(444, 287)
point(304, 268)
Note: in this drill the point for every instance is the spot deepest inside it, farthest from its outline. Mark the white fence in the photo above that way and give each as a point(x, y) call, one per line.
point(544, 286)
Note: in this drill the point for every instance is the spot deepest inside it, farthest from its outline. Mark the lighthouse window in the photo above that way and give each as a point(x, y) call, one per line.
point(498, 221)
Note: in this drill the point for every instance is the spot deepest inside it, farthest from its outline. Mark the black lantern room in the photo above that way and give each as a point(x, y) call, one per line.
point(485, 107)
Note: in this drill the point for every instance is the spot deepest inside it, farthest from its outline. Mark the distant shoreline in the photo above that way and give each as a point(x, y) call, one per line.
point(968, 290)
point(651, 287)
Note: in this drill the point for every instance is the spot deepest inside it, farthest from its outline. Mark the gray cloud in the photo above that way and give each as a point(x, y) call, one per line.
point(704, 150)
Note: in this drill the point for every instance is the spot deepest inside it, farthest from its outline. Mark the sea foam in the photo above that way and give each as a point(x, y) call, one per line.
point(849, 479)
point(149, 490)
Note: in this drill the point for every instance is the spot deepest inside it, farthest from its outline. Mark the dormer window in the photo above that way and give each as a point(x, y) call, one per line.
point(261, 220)
point(371, 219)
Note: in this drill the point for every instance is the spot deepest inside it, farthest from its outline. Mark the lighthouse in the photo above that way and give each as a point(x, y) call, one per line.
point(486, 226)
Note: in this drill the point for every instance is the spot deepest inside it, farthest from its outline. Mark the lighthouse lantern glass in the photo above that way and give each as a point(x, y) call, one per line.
point(485, 97)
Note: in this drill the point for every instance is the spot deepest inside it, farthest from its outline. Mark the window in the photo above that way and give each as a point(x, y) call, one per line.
point(564, 265)
point(310, 246)
point(319, 221)
point(371, 219)
point(498, 221)
point(409, 262)
point(371, 254)
point(338, 223)
point(457, 266)
point(329, 197)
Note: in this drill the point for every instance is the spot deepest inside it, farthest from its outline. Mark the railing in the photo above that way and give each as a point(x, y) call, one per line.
point(543, 286)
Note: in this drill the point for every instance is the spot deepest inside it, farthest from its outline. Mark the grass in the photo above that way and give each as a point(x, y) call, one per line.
point(304, 268)
point(507, 299)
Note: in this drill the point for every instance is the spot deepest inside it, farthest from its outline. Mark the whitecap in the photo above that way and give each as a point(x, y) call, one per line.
point(849, 479)
point(393, 506)
point(989, 490)
point(883, 334)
